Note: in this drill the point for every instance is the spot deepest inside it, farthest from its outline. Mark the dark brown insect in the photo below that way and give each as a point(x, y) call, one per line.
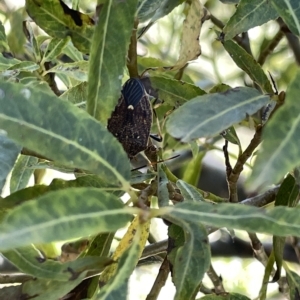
point(131, 120)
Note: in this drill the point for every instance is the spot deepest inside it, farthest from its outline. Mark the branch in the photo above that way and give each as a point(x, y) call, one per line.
point(132, 54)
point(216, 280)
point(239, 166)
point(160, 280)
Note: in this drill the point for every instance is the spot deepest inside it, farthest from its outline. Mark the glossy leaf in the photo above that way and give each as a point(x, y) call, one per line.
point(22, 172)
point(279, 153)
point(289, 11)
point(59, 21)
point(246, 62)
point(61, 215)
point(53, 124)
point(210, 114)
point(108, 57)
point(29, 261)
point(281, 221)
point(8, 154)
point(174, 92)
point(248, 15)
point(192, 259)
point(41, 289)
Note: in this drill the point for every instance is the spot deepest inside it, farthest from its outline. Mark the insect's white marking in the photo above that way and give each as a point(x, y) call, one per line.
point(130, 107)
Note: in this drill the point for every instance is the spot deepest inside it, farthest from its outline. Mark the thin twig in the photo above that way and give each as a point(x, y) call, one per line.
point(270, 47)
point(132, 52)
point(239, 166)
point(15, 278)
point(160, 280)
point(216, 280)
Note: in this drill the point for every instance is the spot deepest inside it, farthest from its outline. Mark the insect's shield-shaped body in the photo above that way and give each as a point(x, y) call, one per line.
point(131, 120)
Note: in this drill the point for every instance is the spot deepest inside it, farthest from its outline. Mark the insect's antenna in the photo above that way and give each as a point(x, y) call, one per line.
point(155, 163)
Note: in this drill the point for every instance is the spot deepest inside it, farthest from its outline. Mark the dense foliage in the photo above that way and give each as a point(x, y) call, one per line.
point(62, 107)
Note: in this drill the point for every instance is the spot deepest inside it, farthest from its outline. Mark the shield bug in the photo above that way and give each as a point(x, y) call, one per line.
point(131, 120)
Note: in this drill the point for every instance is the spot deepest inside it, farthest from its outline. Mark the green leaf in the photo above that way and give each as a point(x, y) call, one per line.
point(192, 259)
point(279, 153)
point(174, 92)
point(248, 15)
point(162, 188)
point(61, 215)
point(5, 62)
point(246, 62)
point(230, 135)
point(289, 11)
point(228, 296)
point(41, 289)
point(59, 21)
point(281, 221)
point(3, 41)
point(193, 169)
point(21, 172)
point(51, 124)
point(210, 114)
point(189, 192)
point(8, 154)
point(11, 292)
point(108, 56)
point(77, 70)
point(190, 47)
point(15, 70)
point(76, 95)
point(294, 284)
point(116, 287)
point(29, 261)
point(54, 48)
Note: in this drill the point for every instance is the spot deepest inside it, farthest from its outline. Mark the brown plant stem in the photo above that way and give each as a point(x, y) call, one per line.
point(132, 52)
point(216, 280)
point(160, 280)
point(239, 166)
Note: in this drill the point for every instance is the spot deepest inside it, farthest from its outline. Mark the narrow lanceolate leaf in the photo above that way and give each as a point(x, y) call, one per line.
point(190, 48)
point(174, 92)
point(116, 287)
point(41, 289)
point(108, 56)
point(189, 192)
point(61, 215)
point(30, 261)
point(280, 150)
point(8, 154)
point(59, 21)
point(289, 11)
point(22, 172)
point(210, 114)
point(294, 284)
point(281, 221)
point(3, 41)
point(135, 228)
point(77, 70)
point(247, 63)
point(55, 48)
point(248, 15)
point(61, 132)
point(228, 296)
point(192, 259)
